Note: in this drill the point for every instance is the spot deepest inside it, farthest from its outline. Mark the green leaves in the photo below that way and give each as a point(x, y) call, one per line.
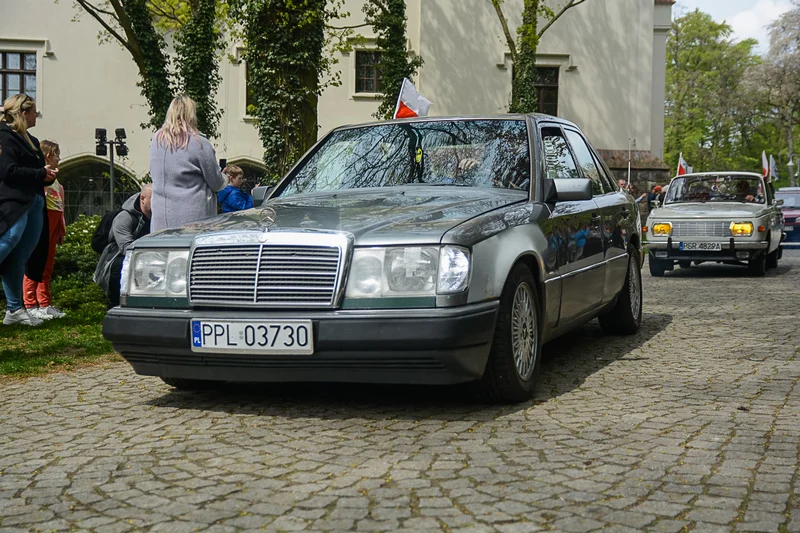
point(284, 42)
point(388, 21)
point(198, 45)
point(710, 111)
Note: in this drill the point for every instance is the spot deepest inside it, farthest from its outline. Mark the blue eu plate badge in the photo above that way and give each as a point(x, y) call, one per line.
point(197, 337)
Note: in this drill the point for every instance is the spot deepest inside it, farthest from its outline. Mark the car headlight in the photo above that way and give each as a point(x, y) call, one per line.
point(408, 271)
point(741, 229)
point(453, 270)
point(662, 228)
point(158, 273)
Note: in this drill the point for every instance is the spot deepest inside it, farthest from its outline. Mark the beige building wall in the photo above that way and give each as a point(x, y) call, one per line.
point(605, 49)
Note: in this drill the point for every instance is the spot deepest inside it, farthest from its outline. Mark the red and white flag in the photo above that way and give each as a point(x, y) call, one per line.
point(764, 165)
point(683, 166)
point(410, 103)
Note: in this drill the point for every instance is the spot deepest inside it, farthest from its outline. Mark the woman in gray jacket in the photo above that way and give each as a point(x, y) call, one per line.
point(184, 169)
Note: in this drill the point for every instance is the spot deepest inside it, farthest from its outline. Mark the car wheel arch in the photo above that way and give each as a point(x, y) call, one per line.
point(533, 263)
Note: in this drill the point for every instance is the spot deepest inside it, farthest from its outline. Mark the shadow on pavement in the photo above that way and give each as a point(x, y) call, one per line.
point(716, 270)
point(566, 363)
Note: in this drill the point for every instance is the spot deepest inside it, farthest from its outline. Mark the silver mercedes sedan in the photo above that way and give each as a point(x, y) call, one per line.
point(431, 251)
point(725, 217)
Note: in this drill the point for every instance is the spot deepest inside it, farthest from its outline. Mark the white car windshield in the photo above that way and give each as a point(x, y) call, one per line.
point(716, 188)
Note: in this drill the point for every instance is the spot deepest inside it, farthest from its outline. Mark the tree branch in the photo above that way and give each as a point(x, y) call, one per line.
point(504, 23)
point(329, 27)
point(95, 13)
point(567, 6)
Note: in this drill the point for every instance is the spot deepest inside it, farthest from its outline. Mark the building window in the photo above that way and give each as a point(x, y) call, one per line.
point(17, 74)
point(250, 95)
point(546, 87)
point(368, 72)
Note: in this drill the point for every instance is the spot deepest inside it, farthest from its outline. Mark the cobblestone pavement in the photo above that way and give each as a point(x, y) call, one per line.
point(693, 424)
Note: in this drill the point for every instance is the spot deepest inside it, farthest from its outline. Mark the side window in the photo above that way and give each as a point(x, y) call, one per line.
point(605, 175)
point(558, 158)
point(584, 156)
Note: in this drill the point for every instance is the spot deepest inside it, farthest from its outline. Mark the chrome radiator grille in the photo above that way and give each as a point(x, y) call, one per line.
point(267, 275)
point(701, 229)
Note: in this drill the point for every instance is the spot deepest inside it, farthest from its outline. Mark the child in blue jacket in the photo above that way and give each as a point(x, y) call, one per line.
point(231, 198)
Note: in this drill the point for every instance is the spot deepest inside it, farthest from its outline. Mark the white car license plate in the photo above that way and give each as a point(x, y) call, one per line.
point(286, 337)
point(789, 228)
point(701, 246)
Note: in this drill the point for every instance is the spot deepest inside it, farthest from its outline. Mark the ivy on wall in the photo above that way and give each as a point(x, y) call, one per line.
point(388, 21)
point(198, 45)
point(284, 50)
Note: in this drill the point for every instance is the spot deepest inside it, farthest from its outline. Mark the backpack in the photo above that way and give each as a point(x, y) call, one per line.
point(100, 239)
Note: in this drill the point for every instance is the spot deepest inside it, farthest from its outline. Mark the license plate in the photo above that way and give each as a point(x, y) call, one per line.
point(701, 246)
point(286, 337)
point(789, 228)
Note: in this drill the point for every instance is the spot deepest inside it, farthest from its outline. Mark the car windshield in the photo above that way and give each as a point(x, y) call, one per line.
point(716, 188)
point(468, 153)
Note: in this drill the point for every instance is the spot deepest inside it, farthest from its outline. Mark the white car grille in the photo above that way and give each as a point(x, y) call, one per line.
point(701, 229)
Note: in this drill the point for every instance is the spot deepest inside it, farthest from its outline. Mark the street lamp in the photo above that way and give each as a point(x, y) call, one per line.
point(117, 144)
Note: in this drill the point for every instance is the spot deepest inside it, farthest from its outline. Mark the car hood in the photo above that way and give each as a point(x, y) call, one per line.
point(709, 210)
point(393, 215)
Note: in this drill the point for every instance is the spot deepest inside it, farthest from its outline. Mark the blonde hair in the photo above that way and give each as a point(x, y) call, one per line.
point(13, 108)
point(49, 147)
point(180, 123)
point(233, 171)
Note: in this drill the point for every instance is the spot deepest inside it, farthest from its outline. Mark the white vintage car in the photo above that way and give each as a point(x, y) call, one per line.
point(726, 217)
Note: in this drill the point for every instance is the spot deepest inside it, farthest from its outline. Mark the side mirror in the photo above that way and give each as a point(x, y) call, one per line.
point(568, 190)
point(260, 194)
point(779, 202)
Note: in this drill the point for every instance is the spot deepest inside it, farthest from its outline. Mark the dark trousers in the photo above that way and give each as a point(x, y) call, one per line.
point(113, 282)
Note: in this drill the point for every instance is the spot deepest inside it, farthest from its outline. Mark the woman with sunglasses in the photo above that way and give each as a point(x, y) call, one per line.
point(23, 175)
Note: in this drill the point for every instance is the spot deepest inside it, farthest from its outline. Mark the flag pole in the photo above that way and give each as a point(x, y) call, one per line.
point(399, 96)
point(629, 162)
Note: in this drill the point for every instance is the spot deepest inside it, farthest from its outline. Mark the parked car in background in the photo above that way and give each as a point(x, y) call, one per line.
point(726, 217)
point(791, 215)
point(416, 251)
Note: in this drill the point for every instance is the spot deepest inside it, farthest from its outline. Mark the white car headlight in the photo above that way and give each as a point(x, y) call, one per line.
point(408, 271)
point(157, 273)
point(453, 270)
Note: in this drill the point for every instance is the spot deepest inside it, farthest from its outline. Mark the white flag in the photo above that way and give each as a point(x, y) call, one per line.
point(410, 103)
point(773, 169)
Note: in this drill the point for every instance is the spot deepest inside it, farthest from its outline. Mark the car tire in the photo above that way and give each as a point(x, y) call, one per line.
point(190, 384)
point(625, 317)
point(684, 264)
point(657, 268)
point(758, 265)
point(510, 376)
point(772, 259)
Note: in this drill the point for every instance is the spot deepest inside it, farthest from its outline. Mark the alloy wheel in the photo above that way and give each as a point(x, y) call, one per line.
point(524, 331)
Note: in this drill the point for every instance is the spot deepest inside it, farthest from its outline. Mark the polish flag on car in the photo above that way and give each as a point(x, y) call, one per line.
point(683, 167)
point(410, 103)
point(765, 168)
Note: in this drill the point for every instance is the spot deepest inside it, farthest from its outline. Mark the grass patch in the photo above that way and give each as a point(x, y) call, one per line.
point(58, 344)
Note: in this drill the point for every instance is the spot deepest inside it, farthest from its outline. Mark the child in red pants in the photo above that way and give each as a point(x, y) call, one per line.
point(37, 295)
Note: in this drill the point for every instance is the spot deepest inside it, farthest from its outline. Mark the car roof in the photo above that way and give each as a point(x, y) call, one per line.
point(538, 117)
point(721, 172)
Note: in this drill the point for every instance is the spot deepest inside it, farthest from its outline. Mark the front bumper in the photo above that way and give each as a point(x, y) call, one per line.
point(419, 346)
point(728, 253)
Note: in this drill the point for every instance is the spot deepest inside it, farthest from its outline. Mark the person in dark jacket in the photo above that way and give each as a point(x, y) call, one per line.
point(23, 175)
point(130, 224)
point(231, 198)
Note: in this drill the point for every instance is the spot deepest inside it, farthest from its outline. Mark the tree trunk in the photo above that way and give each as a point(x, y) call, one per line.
point(523, 95)
point(790, 139)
